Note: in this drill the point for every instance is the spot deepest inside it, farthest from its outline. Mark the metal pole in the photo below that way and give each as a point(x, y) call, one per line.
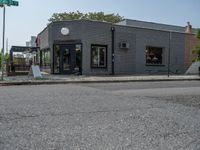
point(7, 46)
point(169, 53)
point(3, 42)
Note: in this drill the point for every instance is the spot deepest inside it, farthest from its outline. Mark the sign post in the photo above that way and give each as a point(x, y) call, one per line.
point(3, 4)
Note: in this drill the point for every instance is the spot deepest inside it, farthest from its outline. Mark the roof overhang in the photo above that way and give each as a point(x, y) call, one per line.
point(23, 49)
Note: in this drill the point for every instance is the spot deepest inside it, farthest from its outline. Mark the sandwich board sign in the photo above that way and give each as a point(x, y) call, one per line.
point(35, 71)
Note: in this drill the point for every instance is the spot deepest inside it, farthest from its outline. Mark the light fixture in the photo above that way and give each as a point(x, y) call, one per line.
point(64, 31)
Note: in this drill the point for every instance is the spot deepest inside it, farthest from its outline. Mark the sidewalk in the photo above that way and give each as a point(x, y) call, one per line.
point(64, 79)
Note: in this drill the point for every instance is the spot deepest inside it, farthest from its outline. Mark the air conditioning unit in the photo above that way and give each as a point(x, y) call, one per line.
point(124, 45)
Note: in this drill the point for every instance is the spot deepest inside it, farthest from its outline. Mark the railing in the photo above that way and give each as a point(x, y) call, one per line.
point(21, 68)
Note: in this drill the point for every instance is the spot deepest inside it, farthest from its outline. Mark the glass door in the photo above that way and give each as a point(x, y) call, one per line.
point(67, 58)
point(78, 63)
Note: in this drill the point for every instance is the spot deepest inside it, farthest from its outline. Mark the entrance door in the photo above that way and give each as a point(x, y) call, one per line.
point(68, 59)
point(64, 59)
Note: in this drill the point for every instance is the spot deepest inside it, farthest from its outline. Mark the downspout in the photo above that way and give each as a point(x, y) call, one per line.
point(169, 53)
point(113, 50)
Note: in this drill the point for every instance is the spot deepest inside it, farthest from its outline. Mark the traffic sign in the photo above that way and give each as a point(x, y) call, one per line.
point(14, 3)
point(9, 2)
point(2, 2)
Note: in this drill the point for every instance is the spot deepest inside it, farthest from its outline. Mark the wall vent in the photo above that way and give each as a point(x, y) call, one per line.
point(124, 45)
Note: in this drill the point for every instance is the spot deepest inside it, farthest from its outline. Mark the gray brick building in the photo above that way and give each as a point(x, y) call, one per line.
point(129, 47)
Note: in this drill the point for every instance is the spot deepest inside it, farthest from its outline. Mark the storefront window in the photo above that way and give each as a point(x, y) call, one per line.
point(66, 59)
point(154, 55)
point(46, 58)
point(56, 59)
point(78, 57)
point(98, 56)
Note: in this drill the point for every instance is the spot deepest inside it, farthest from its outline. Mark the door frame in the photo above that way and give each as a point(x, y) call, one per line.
point(71, 71)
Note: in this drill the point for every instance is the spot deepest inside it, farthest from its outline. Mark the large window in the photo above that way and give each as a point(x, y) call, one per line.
point(56, 59)
point(78, 57)
point(154, 55)
point(98, 56)
point(46, 58)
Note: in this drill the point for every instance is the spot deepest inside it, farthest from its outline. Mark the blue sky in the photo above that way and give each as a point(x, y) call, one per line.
point(32, 15)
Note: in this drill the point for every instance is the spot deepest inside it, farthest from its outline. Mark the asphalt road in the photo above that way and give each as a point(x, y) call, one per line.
point(107, 116)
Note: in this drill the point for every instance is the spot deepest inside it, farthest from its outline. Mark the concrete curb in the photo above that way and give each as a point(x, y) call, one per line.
point(50, 82)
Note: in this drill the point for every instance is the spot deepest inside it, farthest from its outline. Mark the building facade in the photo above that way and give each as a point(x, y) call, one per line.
point(129, 47)
point(32, 42)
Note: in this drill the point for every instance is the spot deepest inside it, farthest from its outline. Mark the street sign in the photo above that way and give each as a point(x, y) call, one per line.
point(14, 3)
point(3, 2)
point(9, 2)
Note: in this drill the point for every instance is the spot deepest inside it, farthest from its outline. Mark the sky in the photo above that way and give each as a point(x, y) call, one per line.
point(31, 16)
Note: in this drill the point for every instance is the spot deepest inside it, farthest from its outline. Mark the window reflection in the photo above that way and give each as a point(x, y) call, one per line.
point(57, 59)
point(98, 56)
point(154, 55)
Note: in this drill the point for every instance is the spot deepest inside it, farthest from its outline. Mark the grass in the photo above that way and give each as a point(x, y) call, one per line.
point(41, 78)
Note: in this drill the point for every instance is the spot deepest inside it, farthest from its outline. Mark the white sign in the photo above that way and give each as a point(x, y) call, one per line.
point(35, 70)
point(64, 31)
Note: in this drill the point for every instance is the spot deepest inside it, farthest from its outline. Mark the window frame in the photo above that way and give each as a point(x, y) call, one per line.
point(91, 60)
point(163, 56)
point(45, 53)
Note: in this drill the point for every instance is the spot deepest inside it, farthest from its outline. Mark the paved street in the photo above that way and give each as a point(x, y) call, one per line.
point(103, 116)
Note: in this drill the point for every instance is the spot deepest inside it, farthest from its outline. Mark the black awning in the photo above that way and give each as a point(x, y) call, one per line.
point(23, 49)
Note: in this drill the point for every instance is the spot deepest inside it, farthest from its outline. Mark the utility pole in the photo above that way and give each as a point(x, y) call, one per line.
point(3, 4)
point(7, 46)
point(3, 42)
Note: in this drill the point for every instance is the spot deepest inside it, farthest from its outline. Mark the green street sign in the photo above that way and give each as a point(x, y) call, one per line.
point(14, 3)
point(3, 2)
point(9, 2)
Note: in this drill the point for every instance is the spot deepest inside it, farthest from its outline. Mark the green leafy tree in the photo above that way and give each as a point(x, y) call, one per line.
point(6, 58)
point(196, 50)
point(99, 16)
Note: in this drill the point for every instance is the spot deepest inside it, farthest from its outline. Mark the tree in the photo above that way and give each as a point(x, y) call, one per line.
point(196, 50)
point(6, 58)
point(198, 34)
point(99, 16)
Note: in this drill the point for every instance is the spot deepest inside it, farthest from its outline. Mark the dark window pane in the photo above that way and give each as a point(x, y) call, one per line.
point(102, 57)
point(78, 58)
point(56, 59)
point(154, 55)
point(95, 56)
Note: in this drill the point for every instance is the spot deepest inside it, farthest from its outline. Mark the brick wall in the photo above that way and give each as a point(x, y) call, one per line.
point(127, 61)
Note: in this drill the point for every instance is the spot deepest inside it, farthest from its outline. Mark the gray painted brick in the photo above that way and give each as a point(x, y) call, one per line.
point(130, 61)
